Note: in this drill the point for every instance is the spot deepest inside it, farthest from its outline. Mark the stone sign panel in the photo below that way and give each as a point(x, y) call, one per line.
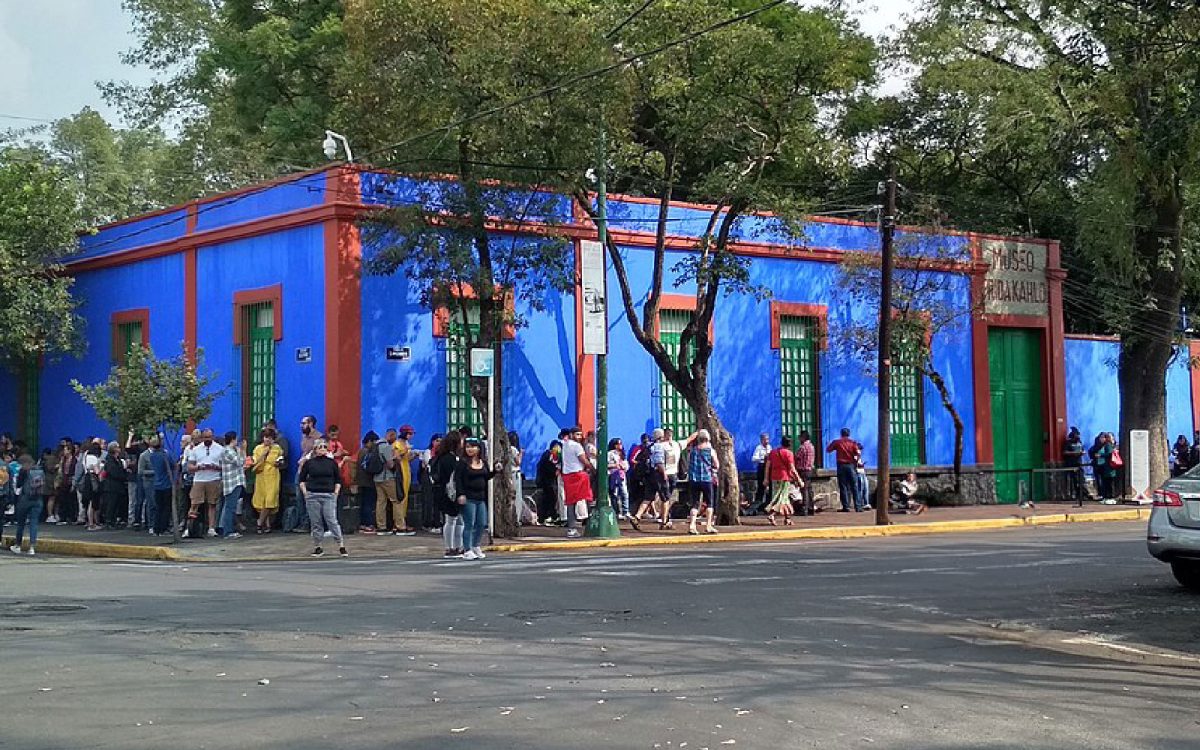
point(1016, 278)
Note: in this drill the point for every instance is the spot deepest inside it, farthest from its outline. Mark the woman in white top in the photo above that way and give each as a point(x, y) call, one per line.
point(92, 464)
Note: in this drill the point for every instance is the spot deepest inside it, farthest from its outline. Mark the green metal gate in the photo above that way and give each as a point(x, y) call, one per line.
point(460, 404)
point(674, 412)
point(258, 368)
point(1018, 429)
point(798, 378)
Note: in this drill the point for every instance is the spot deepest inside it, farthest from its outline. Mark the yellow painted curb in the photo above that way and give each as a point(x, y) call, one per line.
point(833, 532)
point(101, 549)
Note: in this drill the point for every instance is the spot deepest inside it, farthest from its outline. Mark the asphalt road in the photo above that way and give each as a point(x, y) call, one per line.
point(1045, 638)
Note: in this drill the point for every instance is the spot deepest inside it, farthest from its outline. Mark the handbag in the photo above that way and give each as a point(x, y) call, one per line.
point(581, 509)
point(1115, 459)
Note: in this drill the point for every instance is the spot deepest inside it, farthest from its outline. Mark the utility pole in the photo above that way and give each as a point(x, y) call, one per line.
point(887, 229)
point(602, 523)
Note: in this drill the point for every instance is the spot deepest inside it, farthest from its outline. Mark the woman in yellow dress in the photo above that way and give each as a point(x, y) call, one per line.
point(267, 457)
point(403, 452)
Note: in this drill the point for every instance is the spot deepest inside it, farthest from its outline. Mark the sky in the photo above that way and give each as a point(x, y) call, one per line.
point(54, 52)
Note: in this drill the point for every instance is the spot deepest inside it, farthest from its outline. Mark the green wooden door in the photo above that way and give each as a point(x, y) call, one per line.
point(907, 420)
point(1015, 370)
point(798, 385)
point(258, 372)
point(674, 411)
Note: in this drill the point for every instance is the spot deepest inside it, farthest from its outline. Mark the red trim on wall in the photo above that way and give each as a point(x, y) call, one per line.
point(1056, 422)
point(979, 362)
point(585, 364)
point(192, 216)
point(1194, 355)
point(441, 315)
point(343, 313)
point(800, 310)
point(677, 302)
point(242, 298)
point(189, 304)
point(137, 315)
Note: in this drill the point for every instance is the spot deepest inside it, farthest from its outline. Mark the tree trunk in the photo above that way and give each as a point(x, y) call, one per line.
point(729, 488)
point(1146, 343)
point(939, 383)
point(503, 496)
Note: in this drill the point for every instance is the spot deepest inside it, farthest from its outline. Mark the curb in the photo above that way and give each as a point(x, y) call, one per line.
point(834, 532)
point(102, 549)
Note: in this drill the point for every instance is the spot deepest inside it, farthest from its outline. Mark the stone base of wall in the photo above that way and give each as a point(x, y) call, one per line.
point(936, 486)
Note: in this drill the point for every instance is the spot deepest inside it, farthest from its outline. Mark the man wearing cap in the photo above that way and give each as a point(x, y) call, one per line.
point(385, 486)
point(403, 453)
point(577, 483)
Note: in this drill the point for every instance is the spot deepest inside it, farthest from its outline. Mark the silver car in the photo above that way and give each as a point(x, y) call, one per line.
point(1174, 532)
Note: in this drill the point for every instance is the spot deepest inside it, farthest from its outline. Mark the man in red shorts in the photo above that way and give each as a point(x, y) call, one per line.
point(576, 475)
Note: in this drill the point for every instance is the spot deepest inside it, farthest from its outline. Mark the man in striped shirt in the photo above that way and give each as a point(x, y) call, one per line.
point(806, 460)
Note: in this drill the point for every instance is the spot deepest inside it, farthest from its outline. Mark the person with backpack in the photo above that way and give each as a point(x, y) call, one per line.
point(442, 469)
point(114, 486)
point(31, 480)
point(547, 484)
point(702, 474)
point(385, 486)
point(368, 458)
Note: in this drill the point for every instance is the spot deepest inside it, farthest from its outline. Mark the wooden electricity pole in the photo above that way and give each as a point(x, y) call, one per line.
point(887, 226)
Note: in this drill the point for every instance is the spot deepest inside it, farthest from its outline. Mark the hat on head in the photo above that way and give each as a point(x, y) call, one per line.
point(371, 436)
point(407, 429)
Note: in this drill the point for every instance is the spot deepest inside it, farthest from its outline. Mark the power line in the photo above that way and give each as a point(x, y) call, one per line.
point(628, 19)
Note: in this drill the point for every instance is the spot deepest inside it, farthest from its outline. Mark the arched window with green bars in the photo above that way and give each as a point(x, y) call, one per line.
point(799, 376)
point(674, 412)
point(907, 403)
point(258, 365)
point(460, 404)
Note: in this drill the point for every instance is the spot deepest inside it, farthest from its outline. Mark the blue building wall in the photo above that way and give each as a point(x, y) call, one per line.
point(539, 369)
point(294, 259)
point(1093, 396)
point(8, 402)
point(169, 225)
point(155, 284)
point(744, 378)
point(254, 204)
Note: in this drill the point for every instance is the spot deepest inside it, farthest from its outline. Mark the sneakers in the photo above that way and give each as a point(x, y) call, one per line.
point(342, 551)
point(318, 552)
point(470, 555)
point(478, 553)
point(573, 533)
point(234, 535)
point(327, 534)
point(15, 549)
point(52, 519)
point(187, 533)
point(212, 533)
point(367, 531)
point(451, 554)
point(152, 532)
point(404, 532)
point(30, 552)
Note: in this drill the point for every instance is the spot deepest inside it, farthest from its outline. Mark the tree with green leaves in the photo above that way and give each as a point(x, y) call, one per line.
point(37, 229)
point(146, 395)
point(476, 232)
point(1119, 83)
point(248, 83)
point(736, 117)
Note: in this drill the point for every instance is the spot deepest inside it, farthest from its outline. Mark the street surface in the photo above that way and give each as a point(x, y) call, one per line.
point(1064, 637)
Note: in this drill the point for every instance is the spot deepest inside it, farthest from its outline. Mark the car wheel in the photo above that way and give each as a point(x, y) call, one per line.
point(1187, 572)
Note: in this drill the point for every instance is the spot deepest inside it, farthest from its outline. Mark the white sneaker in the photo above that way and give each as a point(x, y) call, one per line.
point(234, 535)
point(573, 533)
point(15, 549)
point(52, 519)
point(31, 552)
point(478, 553)
point(328, 534)
point(469, 555)
point(211, 533)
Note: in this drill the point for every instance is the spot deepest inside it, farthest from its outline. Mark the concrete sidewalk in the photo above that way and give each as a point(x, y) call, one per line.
point(73, 540)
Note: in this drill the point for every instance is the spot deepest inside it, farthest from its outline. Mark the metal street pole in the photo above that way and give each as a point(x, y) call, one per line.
point(887, 230)
point(602, 523)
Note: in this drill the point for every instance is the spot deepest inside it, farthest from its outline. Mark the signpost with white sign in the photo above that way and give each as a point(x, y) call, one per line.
point(483, 365)
point(1139, 466)
point(595, 318)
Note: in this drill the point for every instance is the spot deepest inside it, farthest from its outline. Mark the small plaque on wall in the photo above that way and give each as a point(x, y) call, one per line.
point(399, 353)
point(304, 354)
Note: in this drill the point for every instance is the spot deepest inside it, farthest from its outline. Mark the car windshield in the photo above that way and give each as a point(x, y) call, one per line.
point(1192, 473)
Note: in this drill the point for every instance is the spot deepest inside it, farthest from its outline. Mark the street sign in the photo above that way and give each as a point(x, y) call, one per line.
point(399, 353)
point(595, 307)
point(1139, 465)
point(483, 363)
point(304, 354)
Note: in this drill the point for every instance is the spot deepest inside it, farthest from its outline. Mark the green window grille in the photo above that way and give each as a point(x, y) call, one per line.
point(127, 335)
point(674, 412)
point(460, 404)
point(799, 398)
point(907, 410)
point(258, 366)
point(31, 403)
